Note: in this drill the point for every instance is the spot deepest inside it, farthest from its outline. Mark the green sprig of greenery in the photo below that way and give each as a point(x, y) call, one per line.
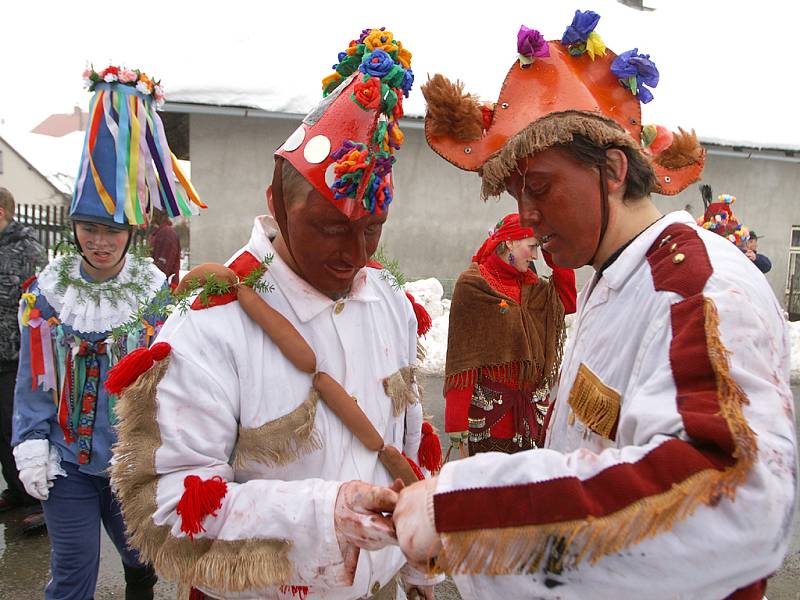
point(391, 273)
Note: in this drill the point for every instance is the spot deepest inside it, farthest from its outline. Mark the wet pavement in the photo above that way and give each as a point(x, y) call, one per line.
point(24, 559)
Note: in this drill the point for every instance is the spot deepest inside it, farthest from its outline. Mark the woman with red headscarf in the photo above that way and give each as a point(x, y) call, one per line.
point(504, 343)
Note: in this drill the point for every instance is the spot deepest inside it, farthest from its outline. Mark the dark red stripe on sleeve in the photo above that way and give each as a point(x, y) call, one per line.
point(569, 498)
point(695, 380)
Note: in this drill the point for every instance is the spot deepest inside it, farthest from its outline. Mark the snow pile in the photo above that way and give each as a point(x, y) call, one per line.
point(429, 292)
point(794, 338)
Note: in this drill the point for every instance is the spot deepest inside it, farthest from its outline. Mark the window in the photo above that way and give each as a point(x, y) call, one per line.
point(793, 283)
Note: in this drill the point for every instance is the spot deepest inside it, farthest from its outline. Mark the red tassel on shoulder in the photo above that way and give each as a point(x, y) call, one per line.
point(130, 368)
point(430, 449)
point(424, 321)
point(414, 467)
point(200, 499)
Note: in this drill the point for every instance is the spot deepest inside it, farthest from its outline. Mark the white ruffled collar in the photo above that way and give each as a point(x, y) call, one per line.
point(91, 307)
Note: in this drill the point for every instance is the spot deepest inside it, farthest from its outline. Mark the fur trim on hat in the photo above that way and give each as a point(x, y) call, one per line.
point(684, 150)
point(451, 112)
point(553, 129)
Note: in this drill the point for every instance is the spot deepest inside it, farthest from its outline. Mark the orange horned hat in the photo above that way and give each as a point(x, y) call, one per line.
point(558, 89)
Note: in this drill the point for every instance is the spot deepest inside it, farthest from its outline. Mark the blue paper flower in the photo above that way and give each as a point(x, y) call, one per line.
point(635, 71)
point(408, 81)
point(376, 63)
point(582, 25)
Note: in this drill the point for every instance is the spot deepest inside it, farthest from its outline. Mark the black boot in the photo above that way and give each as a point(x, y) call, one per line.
point(139, 582)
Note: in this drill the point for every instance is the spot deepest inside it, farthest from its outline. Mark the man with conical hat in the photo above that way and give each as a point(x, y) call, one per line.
point(670, 462)
point(259, 447)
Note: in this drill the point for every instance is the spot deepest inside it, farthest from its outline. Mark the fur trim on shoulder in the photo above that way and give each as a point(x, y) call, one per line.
point(451, 112)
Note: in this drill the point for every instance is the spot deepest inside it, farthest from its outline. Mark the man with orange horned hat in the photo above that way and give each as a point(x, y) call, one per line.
point(259, 453)
point(670, 457)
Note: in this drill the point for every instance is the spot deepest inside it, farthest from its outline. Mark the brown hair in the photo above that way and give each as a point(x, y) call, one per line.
point(295, 187)
point(7, 202)
point(639, 179)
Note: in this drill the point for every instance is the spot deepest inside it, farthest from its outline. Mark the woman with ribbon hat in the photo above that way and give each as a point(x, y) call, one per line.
point(504, 342)
point(81, 316)
point(669, 462)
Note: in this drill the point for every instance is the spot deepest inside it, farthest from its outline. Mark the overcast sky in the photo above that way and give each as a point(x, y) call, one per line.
point(728, 69)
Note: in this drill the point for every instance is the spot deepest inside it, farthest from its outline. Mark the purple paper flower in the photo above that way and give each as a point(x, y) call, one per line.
point(383, 164)
point(582, 25)
point(531, 43)
point(635, 71)
point(376, 63)
point(345, 149)
point(408, 81)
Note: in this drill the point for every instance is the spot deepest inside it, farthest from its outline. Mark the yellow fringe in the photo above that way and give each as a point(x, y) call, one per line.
point(281, 441)
point(522, 549)
point(230, 566)
point(594, 403)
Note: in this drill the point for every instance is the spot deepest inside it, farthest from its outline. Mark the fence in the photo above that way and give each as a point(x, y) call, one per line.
point(54, 228)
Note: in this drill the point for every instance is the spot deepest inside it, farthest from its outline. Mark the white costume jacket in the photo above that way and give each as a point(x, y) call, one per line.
point(670, 467)
point(226, 403)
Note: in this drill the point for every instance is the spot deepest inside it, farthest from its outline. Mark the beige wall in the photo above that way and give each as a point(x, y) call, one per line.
point(437, 220)
point(26, 183)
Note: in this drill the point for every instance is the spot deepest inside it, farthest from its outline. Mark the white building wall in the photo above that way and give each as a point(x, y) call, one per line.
point(26, 183)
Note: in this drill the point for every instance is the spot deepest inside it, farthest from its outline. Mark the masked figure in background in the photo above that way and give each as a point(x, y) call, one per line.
point(504, 343)
point(253, 458)
point(669, 466)
point(79, 318)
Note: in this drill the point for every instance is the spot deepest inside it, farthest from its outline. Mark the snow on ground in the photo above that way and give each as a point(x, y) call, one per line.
point(428, 292)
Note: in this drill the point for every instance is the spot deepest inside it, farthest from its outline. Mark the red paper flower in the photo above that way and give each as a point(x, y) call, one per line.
point(368, 93)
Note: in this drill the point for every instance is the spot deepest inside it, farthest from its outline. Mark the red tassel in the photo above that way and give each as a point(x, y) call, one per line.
point(27, 283)
point(424, 321)
point(430, 449)
point(301, 591)
point(130, 368)
point(200, 499)
point(414, 467)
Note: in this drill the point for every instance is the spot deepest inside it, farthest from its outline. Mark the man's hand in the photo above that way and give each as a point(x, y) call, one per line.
point(358, 517)
point(750, 254)
point(413, 520)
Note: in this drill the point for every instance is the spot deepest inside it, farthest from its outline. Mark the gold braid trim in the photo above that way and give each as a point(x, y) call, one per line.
point(281, 441)
point(400, 388)
point(523, 549)
point(230, 566)
point(594, 403)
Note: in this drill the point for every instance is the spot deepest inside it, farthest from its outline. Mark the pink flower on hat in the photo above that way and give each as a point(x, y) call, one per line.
point(127, 76)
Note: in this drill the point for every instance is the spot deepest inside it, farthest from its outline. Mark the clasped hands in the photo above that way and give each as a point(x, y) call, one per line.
point(372, 517)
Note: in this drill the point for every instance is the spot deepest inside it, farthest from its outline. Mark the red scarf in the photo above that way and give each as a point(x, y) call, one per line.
point(506, 230)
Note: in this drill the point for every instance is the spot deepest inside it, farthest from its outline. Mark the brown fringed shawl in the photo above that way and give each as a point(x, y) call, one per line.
point(523, 340)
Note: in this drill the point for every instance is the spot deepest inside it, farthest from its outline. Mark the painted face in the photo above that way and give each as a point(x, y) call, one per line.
point(523, 251)
point(559, 197)
point(329, 248)
point(103, 246)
